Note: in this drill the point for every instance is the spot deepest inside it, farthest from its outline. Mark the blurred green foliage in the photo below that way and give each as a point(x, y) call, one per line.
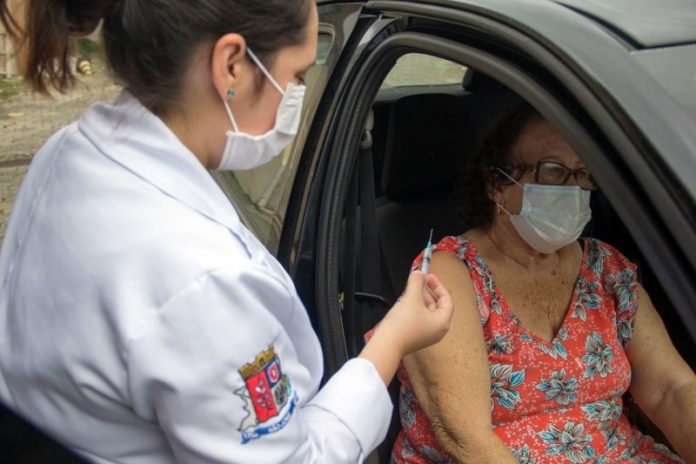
point(9, 87)
point(87, 47)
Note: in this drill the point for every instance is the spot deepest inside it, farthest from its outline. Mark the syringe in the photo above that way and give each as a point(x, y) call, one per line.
point(428, 254)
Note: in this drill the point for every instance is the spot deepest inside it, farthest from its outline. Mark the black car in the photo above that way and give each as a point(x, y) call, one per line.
point(400, 95)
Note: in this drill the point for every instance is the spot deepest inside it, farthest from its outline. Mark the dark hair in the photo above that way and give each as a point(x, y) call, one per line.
point(150, 44)
point(480, 177)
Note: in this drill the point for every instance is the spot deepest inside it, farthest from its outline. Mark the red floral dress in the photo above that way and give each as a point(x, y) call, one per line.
point(558, 401)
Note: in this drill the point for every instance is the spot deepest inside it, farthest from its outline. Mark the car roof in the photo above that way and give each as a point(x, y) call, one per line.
point(642, 23)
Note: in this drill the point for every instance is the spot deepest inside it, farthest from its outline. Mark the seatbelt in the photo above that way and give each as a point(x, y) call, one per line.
point(366, 293)
point(372, 295)
point(369, 250)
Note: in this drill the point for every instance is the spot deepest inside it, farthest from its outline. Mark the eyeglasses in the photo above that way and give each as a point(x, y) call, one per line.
point(554, 173)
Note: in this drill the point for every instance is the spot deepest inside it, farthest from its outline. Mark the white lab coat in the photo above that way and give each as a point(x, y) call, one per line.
point(141, 322)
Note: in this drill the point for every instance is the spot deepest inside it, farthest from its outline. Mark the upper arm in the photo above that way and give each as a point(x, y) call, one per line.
point(451, 378)
point(656, 365)
point(218, 371)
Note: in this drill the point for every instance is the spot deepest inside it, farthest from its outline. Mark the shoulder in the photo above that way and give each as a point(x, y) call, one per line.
point(455, 275)
point(162, 252)
point(461, 267)
point(605, 259)
point(617, 276)
point(449, 263)
point(456, 247)
point(449, 260)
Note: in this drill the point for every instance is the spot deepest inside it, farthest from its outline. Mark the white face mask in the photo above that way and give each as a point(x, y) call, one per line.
point(552, 216)
point(244, 151)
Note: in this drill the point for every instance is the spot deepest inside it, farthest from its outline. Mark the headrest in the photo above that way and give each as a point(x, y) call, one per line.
point(426, 135)
point(479, 82)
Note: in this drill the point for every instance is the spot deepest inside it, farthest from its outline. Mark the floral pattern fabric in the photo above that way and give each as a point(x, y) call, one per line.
point(557, 401)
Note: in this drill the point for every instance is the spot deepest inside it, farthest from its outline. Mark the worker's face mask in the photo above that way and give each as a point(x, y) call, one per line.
point(552, 216)
point(244, 151)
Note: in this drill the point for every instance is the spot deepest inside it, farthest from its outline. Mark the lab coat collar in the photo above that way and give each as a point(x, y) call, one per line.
point(132, 136)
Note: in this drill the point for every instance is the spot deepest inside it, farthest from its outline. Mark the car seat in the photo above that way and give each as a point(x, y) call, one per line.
point(429, 138)
point(427, 135)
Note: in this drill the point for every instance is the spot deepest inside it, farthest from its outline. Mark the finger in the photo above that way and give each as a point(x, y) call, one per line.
point(440, 293)
point(436, 287)
point(445, 303)
point(429, 299)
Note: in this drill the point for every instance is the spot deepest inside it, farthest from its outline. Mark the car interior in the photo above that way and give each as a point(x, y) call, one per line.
point(21, 443)
point(414, 144)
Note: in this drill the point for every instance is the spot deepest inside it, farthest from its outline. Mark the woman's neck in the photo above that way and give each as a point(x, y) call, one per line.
point(187, 133)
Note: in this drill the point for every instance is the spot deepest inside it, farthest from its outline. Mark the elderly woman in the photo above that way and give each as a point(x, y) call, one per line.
point(549, 332)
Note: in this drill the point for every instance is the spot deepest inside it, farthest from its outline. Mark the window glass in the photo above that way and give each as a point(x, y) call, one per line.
point(261, 195)
point(417, 69)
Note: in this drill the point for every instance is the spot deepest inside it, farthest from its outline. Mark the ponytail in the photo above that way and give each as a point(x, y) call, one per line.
point(46, 38)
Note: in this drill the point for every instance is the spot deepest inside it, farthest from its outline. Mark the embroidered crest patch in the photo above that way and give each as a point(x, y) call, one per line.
point(266, 392)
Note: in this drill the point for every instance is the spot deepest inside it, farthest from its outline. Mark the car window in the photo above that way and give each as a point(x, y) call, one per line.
point(415, 69)
point(261, 194)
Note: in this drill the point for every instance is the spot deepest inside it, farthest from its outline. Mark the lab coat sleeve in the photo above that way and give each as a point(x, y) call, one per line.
point(203, 368)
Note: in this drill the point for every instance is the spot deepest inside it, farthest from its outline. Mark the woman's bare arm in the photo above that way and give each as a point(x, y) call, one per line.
point(419, 318)
point(663, 385)
point(451, 378)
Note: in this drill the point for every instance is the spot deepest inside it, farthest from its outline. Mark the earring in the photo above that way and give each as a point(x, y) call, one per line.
point(230, 94)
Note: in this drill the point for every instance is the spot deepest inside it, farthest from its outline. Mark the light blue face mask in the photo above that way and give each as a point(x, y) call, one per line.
point(552, 216)
point(243, 151)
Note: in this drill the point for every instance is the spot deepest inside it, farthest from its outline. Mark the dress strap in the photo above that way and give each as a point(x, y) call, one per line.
point(466, 251)
point(618, 276)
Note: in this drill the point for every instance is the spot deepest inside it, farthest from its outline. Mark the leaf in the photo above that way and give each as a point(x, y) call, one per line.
point(505, 402)
point(517, 378)
point(579, 311)
point(592, 301)
point(548, 351)
point(501, 371)
point(543, 387)
point(515, 396)
point(548, 437)
point(589, 451)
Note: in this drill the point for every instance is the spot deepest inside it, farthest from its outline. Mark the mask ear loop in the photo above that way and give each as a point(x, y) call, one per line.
point(264, 71)
point(229, 114)
point(513, 180)
point(503, 208)
point(509, 176)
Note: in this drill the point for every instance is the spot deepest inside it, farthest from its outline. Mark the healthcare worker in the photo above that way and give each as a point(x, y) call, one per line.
point(140, 321)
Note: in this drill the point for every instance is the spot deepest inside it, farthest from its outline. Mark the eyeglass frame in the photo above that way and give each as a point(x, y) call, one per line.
point(535, 169)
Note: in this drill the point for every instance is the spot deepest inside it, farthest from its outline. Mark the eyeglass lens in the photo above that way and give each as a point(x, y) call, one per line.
point(552, 173)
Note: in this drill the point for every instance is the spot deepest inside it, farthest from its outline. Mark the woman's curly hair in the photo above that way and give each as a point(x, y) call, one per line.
point(480, 178)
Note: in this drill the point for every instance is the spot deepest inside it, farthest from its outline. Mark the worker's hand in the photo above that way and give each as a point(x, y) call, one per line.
point(422, 315)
